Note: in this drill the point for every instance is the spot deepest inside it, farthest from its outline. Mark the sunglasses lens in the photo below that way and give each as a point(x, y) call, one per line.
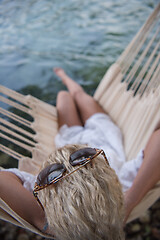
point(50, 173)
point(79, 157)
point(54, 175)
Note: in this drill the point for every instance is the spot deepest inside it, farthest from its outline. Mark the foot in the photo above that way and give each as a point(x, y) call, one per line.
point(61, 74)
point(72, 86)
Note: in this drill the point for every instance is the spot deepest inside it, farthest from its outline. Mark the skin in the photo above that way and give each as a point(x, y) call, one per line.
point(148, 174)
point(20, 199)
point(73, 110)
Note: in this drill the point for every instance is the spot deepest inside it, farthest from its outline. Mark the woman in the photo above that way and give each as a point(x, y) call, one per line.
point(87, 203)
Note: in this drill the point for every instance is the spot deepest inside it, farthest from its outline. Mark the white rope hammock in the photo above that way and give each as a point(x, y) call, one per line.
point(129, 92)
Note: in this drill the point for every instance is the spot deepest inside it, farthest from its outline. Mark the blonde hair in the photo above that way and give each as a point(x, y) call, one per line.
point(86, 205)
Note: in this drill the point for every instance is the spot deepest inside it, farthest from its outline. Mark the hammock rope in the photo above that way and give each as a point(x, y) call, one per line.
point(15, 117)
point(133, 48)
point(16, 128)
point(138, 63)
point(11, 152)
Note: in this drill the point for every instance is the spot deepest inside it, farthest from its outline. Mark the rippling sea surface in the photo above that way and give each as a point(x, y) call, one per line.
point(82, 36)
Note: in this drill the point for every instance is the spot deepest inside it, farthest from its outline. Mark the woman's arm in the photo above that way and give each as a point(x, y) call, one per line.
point(20, 199)
point(148, 174)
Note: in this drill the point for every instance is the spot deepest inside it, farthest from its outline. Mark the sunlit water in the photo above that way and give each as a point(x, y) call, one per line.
point(82, 36)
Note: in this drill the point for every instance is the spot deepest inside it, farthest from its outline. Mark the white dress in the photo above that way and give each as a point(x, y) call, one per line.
point(99, 132)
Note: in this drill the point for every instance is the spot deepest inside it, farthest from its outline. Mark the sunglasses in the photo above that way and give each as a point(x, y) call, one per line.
point(57, 171)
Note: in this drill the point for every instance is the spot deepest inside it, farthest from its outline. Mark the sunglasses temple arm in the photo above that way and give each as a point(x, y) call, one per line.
point(104, 155)
point(36, 196)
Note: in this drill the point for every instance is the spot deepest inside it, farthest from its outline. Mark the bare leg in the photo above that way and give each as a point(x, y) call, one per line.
point(67, 112)
point(86, 105)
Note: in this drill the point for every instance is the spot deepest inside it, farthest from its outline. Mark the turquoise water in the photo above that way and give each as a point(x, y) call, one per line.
point(82, 36)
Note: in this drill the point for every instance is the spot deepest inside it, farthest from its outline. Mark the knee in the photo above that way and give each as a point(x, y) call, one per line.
point(62, 98)
point(62, 95)
point(79, 94)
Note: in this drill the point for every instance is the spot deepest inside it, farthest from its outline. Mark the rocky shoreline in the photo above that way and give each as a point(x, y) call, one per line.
point(145, 228)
